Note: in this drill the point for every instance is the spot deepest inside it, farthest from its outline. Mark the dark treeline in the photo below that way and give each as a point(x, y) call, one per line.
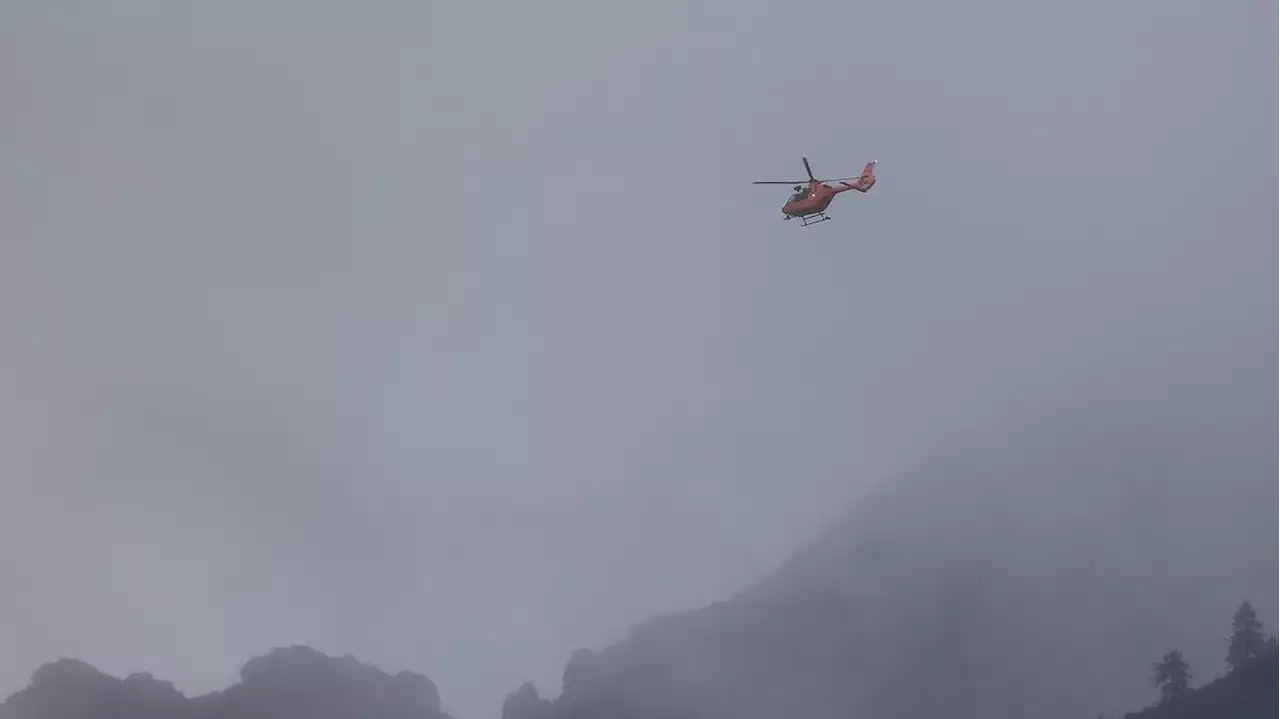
point(1248, 690)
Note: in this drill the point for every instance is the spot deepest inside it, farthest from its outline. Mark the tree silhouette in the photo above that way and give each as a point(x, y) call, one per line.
point(1173, 675)
point(1247, 639)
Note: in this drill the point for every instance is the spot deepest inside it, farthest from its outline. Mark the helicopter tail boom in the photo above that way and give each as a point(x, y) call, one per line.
point(865, 182)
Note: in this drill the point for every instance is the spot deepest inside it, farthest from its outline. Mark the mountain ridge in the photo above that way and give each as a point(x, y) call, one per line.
point(294, 681)
point(968, 588)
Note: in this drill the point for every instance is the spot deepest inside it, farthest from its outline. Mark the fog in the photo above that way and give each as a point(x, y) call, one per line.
point(456, 337)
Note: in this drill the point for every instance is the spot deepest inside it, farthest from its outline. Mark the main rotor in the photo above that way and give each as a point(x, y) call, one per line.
point(811, 181)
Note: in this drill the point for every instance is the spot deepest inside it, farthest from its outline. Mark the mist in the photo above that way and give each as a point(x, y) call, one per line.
point(456, 337)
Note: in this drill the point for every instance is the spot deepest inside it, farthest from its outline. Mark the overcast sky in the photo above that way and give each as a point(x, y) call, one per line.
point(454, 335)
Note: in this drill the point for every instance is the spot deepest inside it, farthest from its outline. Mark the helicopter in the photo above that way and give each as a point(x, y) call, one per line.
point(811, 201)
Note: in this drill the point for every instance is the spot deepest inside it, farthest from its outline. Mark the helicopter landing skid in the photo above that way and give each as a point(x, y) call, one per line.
point(806, 220)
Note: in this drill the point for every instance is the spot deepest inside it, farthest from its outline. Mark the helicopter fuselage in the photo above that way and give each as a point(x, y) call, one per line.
point(815, 199)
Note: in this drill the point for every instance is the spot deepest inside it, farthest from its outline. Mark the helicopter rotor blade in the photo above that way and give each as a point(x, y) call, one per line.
point(806, 182)
point(807, 169)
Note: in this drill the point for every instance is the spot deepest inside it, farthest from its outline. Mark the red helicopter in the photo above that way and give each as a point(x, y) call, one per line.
point(811, 202)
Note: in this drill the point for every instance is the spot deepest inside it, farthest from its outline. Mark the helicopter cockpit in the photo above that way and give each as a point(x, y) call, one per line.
point(800, 194)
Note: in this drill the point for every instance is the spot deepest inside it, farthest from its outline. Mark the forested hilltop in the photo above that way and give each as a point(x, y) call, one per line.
point(1246, 691)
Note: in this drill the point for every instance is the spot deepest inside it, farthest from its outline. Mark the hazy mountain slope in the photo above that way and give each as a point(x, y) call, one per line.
point(292, 683)
point(1248, 693)
point(1035, 573)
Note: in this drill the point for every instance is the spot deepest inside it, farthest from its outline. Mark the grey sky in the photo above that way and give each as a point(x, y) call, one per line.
point(279, 368)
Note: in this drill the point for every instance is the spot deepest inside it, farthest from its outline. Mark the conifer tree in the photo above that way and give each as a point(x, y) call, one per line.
point(1173, 675)
point(1248, 642)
